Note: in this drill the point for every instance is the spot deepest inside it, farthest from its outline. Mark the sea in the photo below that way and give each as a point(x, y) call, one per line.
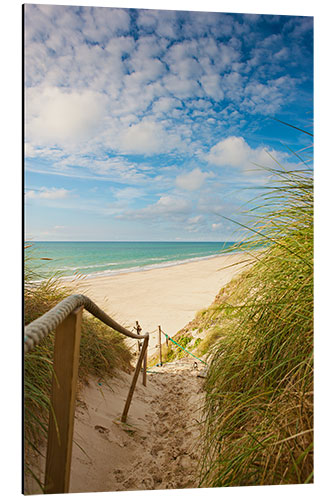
point(106, 258)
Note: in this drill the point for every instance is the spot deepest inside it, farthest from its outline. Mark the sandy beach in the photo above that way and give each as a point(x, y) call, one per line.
point(168, 296)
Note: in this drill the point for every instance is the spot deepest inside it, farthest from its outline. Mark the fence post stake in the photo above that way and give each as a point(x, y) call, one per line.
point(61, 419)
point(138, 330)
point(134, 380)
point(160, 343)
point(144, 369)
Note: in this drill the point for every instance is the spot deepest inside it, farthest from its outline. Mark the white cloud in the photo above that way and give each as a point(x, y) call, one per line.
point(147, 137)
point(29, 150)
point(182, 87)
point(127, 194)
point(147, 20)
point(235, 152)
point(167, 207)
point(165, 104)
point(216, 226)
point(102, 23)
point(144, 137)
point(47, 193)
point(169, 204)
point(212, 86)
point(195, 219)
point(269, 97)
point(58, 117)
point(191, 181)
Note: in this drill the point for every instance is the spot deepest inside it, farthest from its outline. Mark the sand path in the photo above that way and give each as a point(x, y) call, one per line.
point(158, 449)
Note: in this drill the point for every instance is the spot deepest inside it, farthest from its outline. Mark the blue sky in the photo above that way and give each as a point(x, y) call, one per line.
point(146, 124)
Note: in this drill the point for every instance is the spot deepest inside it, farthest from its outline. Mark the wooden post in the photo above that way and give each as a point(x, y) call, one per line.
point(138, 331)
point(135, 378)
point(61, 420)
point(144, 369)
point(160, 343)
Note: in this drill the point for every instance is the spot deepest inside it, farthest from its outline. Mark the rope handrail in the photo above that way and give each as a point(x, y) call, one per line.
point(38, 329)
point(65, 319)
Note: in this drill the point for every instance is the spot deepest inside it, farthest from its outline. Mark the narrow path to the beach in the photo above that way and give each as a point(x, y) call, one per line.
point(171, 454)
point(158, 449)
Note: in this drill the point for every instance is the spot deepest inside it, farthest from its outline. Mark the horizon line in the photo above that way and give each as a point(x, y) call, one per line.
point(130, 241)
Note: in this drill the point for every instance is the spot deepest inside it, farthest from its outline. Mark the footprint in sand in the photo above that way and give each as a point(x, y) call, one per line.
point(119, 475)
point(101, 429)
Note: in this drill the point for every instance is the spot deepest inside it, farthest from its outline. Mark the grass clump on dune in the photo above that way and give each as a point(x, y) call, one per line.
point(102, 351)
point(258, 425)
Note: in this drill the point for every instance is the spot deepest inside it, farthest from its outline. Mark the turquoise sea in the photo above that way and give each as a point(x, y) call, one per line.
point(109, 258)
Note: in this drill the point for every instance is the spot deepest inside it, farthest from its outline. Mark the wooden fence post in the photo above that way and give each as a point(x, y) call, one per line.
point(61, 420)
point(138, 331)
point(135, 378)
point(160, 344)
point(144, 369)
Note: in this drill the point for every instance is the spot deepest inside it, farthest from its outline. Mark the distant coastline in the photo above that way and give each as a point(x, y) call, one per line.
point(98, 259)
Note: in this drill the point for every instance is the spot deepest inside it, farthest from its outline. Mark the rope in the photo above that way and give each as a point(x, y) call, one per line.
point(169, 338)
point(38, 329)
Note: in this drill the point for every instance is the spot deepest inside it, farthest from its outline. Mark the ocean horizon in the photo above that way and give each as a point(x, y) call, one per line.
point(70, 259)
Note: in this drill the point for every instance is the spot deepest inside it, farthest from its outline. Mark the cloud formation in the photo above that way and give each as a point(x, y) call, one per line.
point(47, 194)
point(191, 181)
point(59, 117)
point(156, 115)
point(84, 64)
point(235, 152)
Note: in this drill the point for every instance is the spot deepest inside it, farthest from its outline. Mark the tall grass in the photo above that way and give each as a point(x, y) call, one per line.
point(258, 426)
point(102, 350)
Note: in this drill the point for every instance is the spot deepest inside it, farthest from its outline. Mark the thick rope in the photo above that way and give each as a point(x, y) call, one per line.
point(38, 329)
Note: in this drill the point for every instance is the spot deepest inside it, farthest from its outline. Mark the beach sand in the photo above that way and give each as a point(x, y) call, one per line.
point(168, 296)
point(156, 449)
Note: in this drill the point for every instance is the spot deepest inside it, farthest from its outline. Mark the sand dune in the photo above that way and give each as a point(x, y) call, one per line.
point(168, 296)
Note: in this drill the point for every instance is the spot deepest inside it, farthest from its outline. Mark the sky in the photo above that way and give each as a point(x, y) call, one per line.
point(154, 124)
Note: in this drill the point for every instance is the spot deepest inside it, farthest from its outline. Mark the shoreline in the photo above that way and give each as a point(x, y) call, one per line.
point(135, 269)
point(168, 296)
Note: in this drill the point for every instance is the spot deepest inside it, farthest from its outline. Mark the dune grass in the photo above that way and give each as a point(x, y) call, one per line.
point(102, 350)
point(258, 425)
